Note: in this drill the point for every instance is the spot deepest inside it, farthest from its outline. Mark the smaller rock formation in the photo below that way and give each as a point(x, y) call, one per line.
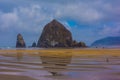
point(81, 44)
point(34, 44)
point(20, 42)
point(74, 43)
point(78, 44)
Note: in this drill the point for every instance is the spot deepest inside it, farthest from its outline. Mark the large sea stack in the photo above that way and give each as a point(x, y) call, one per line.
point(20, 42)
point(55, 34)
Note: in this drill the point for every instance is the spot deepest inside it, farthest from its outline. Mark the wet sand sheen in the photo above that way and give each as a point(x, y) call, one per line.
point(60, 64)
point(13, 77)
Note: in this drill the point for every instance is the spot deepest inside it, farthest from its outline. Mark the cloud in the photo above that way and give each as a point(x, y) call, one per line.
point(110, 30)
point(30, 16)
point(78, 10)
point(37, 15)
point(8, 20)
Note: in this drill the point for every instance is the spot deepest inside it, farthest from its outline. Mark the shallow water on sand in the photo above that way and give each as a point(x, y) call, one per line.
point(37, 66)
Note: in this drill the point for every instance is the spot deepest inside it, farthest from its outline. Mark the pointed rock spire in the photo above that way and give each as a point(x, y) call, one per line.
point(20, 42)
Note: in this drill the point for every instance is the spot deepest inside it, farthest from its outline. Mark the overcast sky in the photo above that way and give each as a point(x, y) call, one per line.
point(88, 20)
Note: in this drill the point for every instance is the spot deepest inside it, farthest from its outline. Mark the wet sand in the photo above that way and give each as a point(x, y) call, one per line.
point(13, 77)
point(60, 64)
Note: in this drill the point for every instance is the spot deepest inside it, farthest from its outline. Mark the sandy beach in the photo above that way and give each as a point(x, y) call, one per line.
point(60, 64)
point(13, 77)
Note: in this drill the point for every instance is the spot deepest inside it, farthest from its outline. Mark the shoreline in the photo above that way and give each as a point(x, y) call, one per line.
point(57, 51)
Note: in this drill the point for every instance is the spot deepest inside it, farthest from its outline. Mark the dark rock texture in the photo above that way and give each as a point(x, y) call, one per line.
point(34, 44)
point(81, 44)
point(74, 43)
point(55, 35)
point(78, 44)
point(20, 42)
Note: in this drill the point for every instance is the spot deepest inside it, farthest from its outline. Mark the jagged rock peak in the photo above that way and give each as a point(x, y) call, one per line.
point(53, 21)
point(20, 43)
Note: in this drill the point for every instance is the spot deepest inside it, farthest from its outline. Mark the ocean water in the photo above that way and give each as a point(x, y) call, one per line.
point(39, 66)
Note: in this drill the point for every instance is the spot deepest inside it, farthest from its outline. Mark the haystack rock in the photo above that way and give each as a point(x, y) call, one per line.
point(55, 34)
point(20, 42)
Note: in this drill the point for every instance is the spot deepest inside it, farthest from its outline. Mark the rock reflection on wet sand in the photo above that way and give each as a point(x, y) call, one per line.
point(54, 62)
point(60, 64)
